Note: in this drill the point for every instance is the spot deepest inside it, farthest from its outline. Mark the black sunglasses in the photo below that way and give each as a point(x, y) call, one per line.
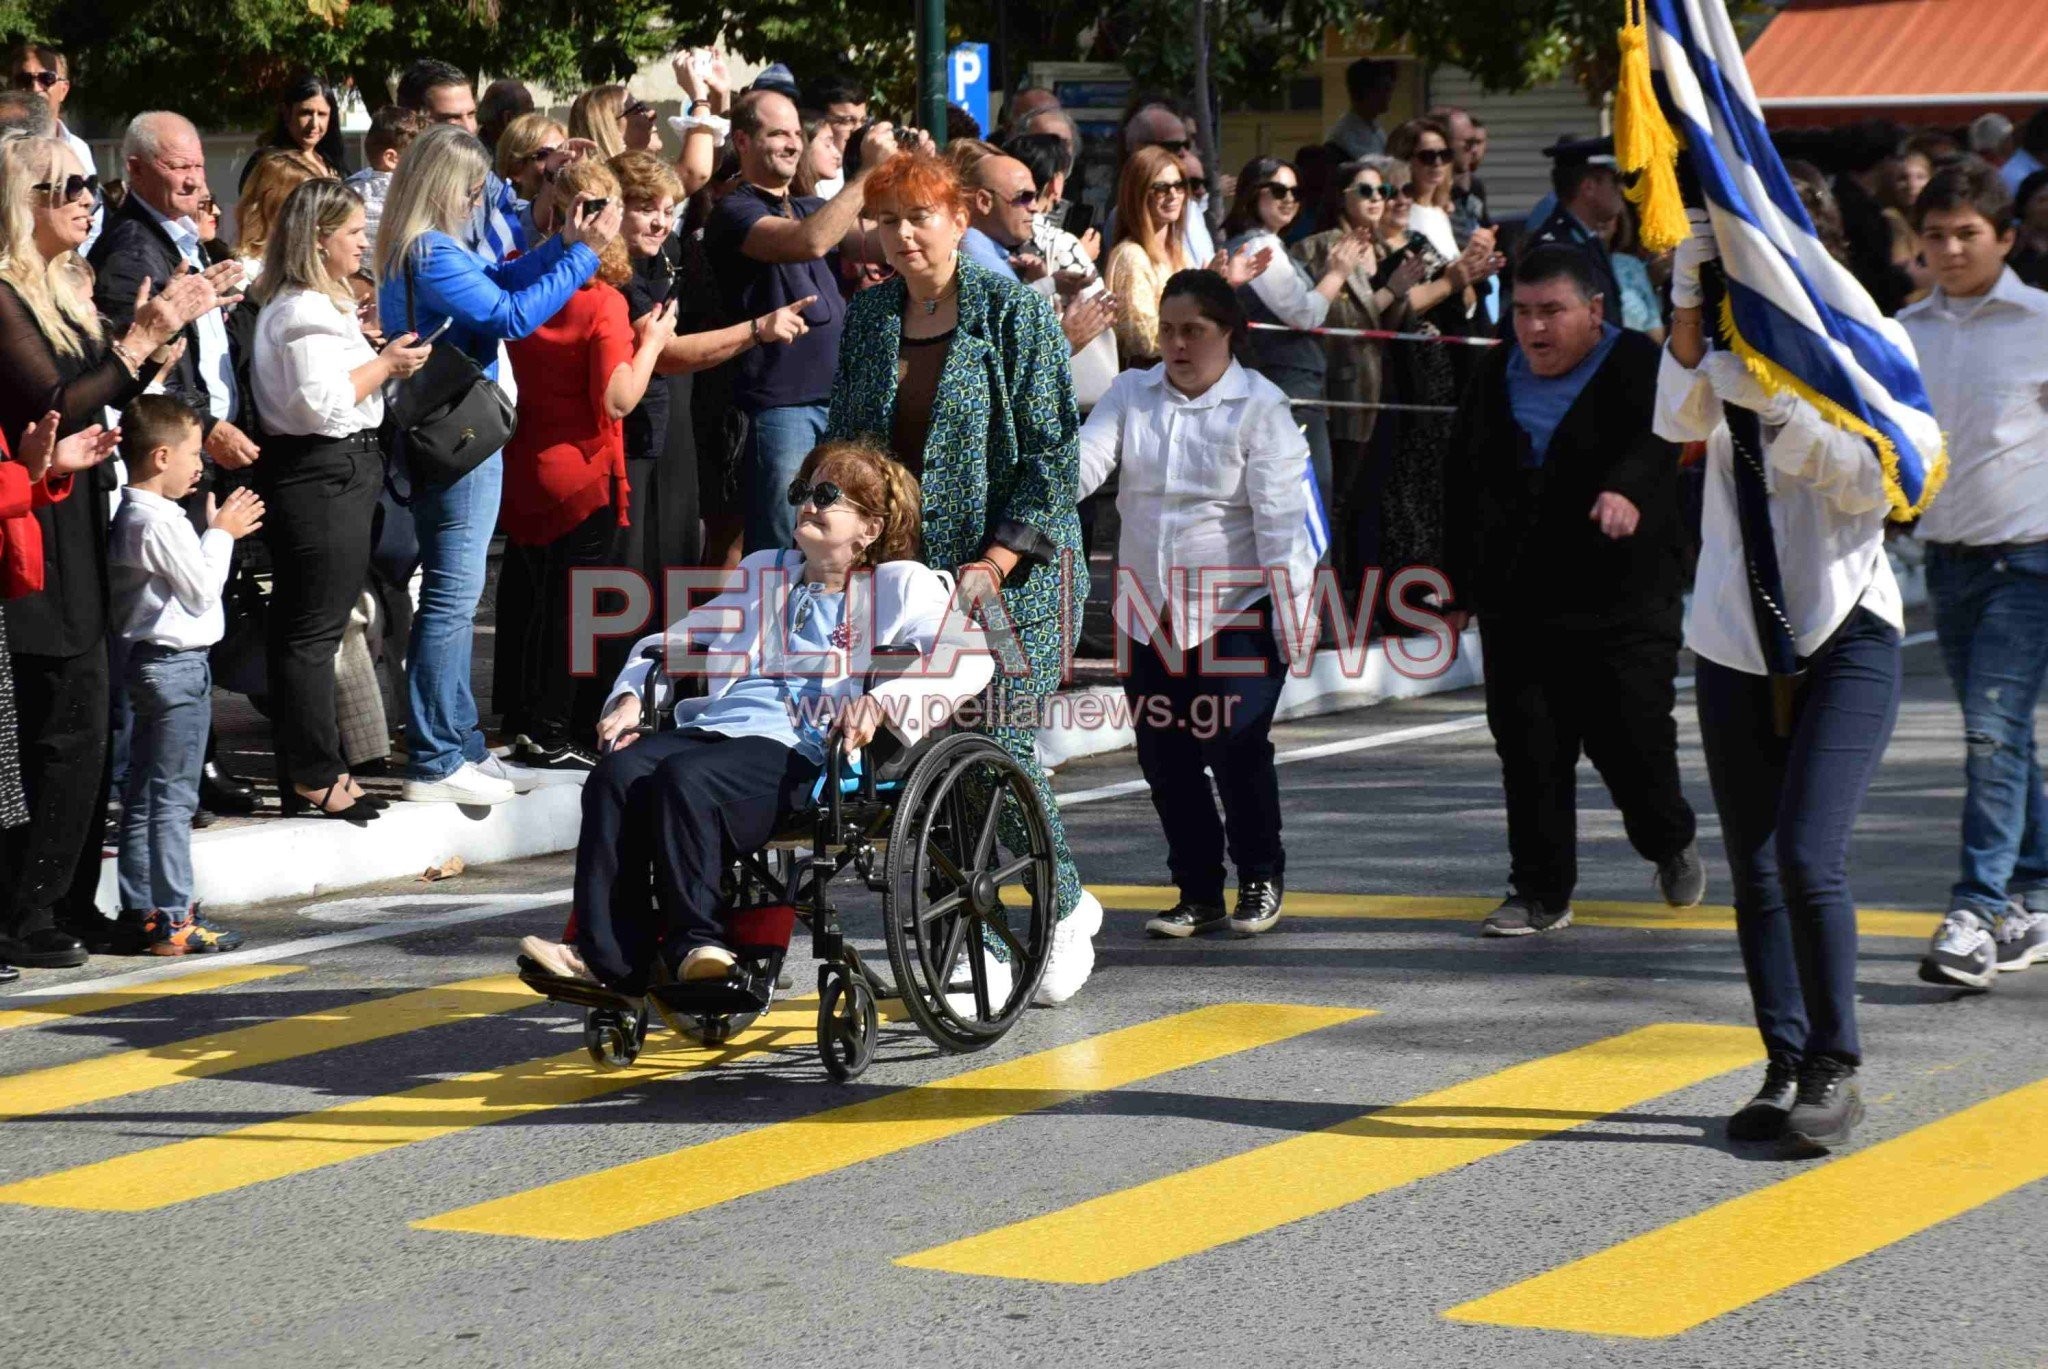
point(1372, 192)
point(1431, 156)
point(820, 496)
point(1281, 192)
point(637, 108)
point(1177, 146)
point(69, 189)
point(35, 80)
point(541, 154)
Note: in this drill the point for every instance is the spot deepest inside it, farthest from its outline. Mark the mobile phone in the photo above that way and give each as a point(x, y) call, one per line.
point(446, 323)
point(1080, 218)
point(700, 62)
point(592, 208)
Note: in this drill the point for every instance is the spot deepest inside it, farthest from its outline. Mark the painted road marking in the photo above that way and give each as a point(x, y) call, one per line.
point(180, 1172)
point(1425, 908)
point(85, 1004)
point(1701, 1267)
point(178, 1062)
point(697, 1177)
point(1200, 1209)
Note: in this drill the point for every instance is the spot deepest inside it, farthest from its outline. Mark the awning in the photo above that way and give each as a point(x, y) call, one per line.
point(1898, 56)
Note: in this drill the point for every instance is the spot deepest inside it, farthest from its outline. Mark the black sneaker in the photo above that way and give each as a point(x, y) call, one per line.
point(566, 756)
point(1763, 1117)
point(1258, 906)
point(1828, 1106)
point(1683, 878)
point(1963, 951)
point(1187, 919)
point(1520, 916)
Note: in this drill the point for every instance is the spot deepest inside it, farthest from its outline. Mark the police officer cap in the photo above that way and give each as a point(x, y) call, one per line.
point(1569, 151)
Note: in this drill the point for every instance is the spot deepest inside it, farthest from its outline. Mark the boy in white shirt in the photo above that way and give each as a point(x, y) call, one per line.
point(391, 131)
point(166, 586)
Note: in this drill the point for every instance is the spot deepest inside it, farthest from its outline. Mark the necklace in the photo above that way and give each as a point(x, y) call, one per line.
point(931, 306)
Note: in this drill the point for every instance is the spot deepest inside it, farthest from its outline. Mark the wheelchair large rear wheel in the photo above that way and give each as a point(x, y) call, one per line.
point(957, 925)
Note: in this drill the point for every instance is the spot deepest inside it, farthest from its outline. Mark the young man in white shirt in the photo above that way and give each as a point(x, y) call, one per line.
point(166, 589)
point(1982, 339)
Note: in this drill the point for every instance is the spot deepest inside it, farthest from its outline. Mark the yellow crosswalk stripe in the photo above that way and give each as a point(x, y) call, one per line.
point(1184, 1214)
point(176, 1062)
point(697, 1177)
point(178, 1173)
point(1422, 908)
point(1670, 1280)
point(41, 1010)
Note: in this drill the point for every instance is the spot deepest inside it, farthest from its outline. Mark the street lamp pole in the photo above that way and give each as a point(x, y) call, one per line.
point(931, 68)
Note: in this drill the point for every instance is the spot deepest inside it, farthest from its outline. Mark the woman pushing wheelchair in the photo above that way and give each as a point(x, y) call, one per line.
point(667, 812)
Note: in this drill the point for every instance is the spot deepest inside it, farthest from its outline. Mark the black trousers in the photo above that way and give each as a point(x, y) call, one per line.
point(1184, 721)
point(320, 500)
point(50, 869)
point(662, 819)
point(532, 687)
point(1552, 692)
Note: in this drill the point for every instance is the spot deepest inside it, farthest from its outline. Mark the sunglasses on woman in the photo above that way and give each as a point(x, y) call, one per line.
point(541, 154)
point(820, 496)
point(1432, 156)
point(210, 208)
point(1165, 188)
point(1373, 191)
point(637, 108)
point(70, 189)
point(1281, 191)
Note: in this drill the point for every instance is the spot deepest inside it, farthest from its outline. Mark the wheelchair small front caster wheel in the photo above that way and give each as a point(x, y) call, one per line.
point(612, 1037)
point(847, 1025)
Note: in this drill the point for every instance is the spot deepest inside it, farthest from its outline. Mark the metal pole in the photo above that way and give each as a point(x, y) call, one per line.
point(931, 68)
point(1205, 123)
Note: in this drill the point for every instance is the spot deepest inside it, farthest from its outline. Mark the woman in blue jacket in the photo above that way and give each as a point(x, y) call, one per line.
point(424, 237)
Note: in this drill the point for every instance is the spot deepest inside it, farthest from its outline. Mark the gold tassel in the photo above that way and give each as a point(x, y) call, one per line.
point(1645, 144)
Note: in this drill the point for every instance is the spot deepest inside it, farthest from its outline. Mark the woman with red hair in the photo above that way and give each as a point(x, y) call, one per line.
point(964, 376)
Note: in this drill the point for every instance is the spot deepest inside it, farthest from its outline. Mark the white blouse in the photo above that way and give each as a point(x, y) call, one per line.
point(306, 345)
point(1827, 516)
point(1284, 286)
point(1209, 485)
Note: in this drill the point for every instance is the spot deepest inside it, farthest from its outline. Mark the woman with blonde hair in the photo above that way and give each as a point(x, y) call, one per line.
point(566, 494)
point(616, 120)
point(318, 398)
point(428, 276)
point(272, 177)
point(61, 358)
point(531, 153)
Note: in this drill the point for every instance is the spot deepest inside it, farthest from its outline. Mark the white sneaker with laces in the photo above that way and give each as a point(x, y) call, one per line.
point(1963, 951)
point(960, 995)
point(466, 784)
point(1073, 953)
point(522, 779)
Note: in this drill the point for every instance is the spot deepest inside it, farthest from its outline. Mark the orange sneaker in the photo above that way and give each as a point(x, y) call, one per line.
point(193, 936)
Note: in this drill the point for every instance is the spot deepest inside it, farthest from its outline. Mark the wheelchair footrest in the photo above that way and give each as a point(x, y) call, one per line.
point(746, 989)
point(580, 992)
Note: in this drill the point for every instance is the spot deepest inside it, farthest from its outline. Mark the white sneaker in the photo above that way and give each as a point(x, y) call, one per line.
point(961, 997)
point(557, 958)
point(1073, 953)
point(522, 779)
point(465, 784)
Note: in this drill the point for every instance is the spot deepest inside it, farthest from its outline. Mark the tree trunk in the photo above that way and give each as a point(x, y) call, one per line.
point(1205, 118)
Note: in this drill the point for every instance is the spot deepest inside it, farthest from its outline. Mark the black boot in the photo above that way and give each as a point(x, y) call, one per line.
point(1829, 1104)
point(1763, 1117)
point(44, 949)
point(220, 792)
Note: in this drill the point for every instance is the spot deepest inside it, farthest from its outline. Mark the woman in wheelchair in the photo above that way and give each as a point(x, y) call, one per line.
point(666, 813)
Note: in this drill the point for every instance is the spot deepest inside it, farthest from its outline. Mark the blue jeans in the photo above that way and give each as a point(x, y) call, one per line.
point(171, 696)
point(1991, 612)
point(778, 440)
point(1788, 805)
point(454, 525)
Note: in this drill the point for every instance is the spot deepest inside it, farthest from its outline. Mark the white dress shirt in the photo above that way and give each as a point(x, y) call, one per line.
point(83, 151)
point(166, 579)
point(1435, 224)
point(1985, 361)
point(306, 345)
point(1827, 516)
point(1284, 286)
point(216, 367)
point(1209, 484)
point(1194, 233)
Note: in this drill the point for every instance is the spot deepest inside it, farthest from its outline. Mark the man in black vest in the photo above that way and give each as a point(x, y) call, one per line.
point(1562, 535)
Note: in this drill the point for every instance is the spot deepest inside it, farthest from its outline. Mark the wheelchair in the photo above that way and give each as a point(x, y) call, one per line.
point(920, 826)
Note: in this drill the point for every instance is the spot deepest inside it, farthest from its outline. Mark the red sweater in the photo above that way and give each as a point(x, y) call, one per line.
point(21, 537)
point(567, 460)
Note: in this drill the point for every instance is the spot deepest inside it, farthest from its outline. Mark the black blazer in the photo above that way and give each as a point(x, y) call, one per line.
point(1519, 540)
point(134, 247)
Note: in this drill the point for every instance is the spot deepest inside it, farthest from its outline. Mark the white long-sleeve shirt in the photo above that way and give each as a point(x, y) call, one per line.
point(1985, 361)
point(1210, 483)
point(1284, 286)
point(306, 345)
point(166, 579)
point(1827, 517)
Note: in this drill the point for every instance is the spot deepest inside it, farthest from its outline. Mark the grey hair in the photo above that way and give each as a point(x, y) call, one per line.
point(144, 138)
point(1989, 132)
point(1393, 171)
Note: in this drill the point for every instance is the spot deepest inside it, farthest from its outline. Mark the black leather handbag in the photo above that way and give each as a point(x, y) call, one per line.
point(451, 414)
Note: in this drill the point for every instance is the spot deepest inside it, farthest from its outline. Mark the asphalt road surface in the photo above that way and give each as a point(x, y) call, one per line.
point(1368, 1137)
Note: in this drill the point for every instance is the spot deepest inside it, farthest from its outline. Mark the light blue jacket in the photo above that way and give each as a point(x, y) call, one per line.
point(487, 301)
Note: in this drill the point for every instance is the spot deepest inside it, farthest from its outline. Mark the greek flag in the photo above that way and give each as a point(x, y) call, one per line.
point(1793, 312)
point(1318, 520)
